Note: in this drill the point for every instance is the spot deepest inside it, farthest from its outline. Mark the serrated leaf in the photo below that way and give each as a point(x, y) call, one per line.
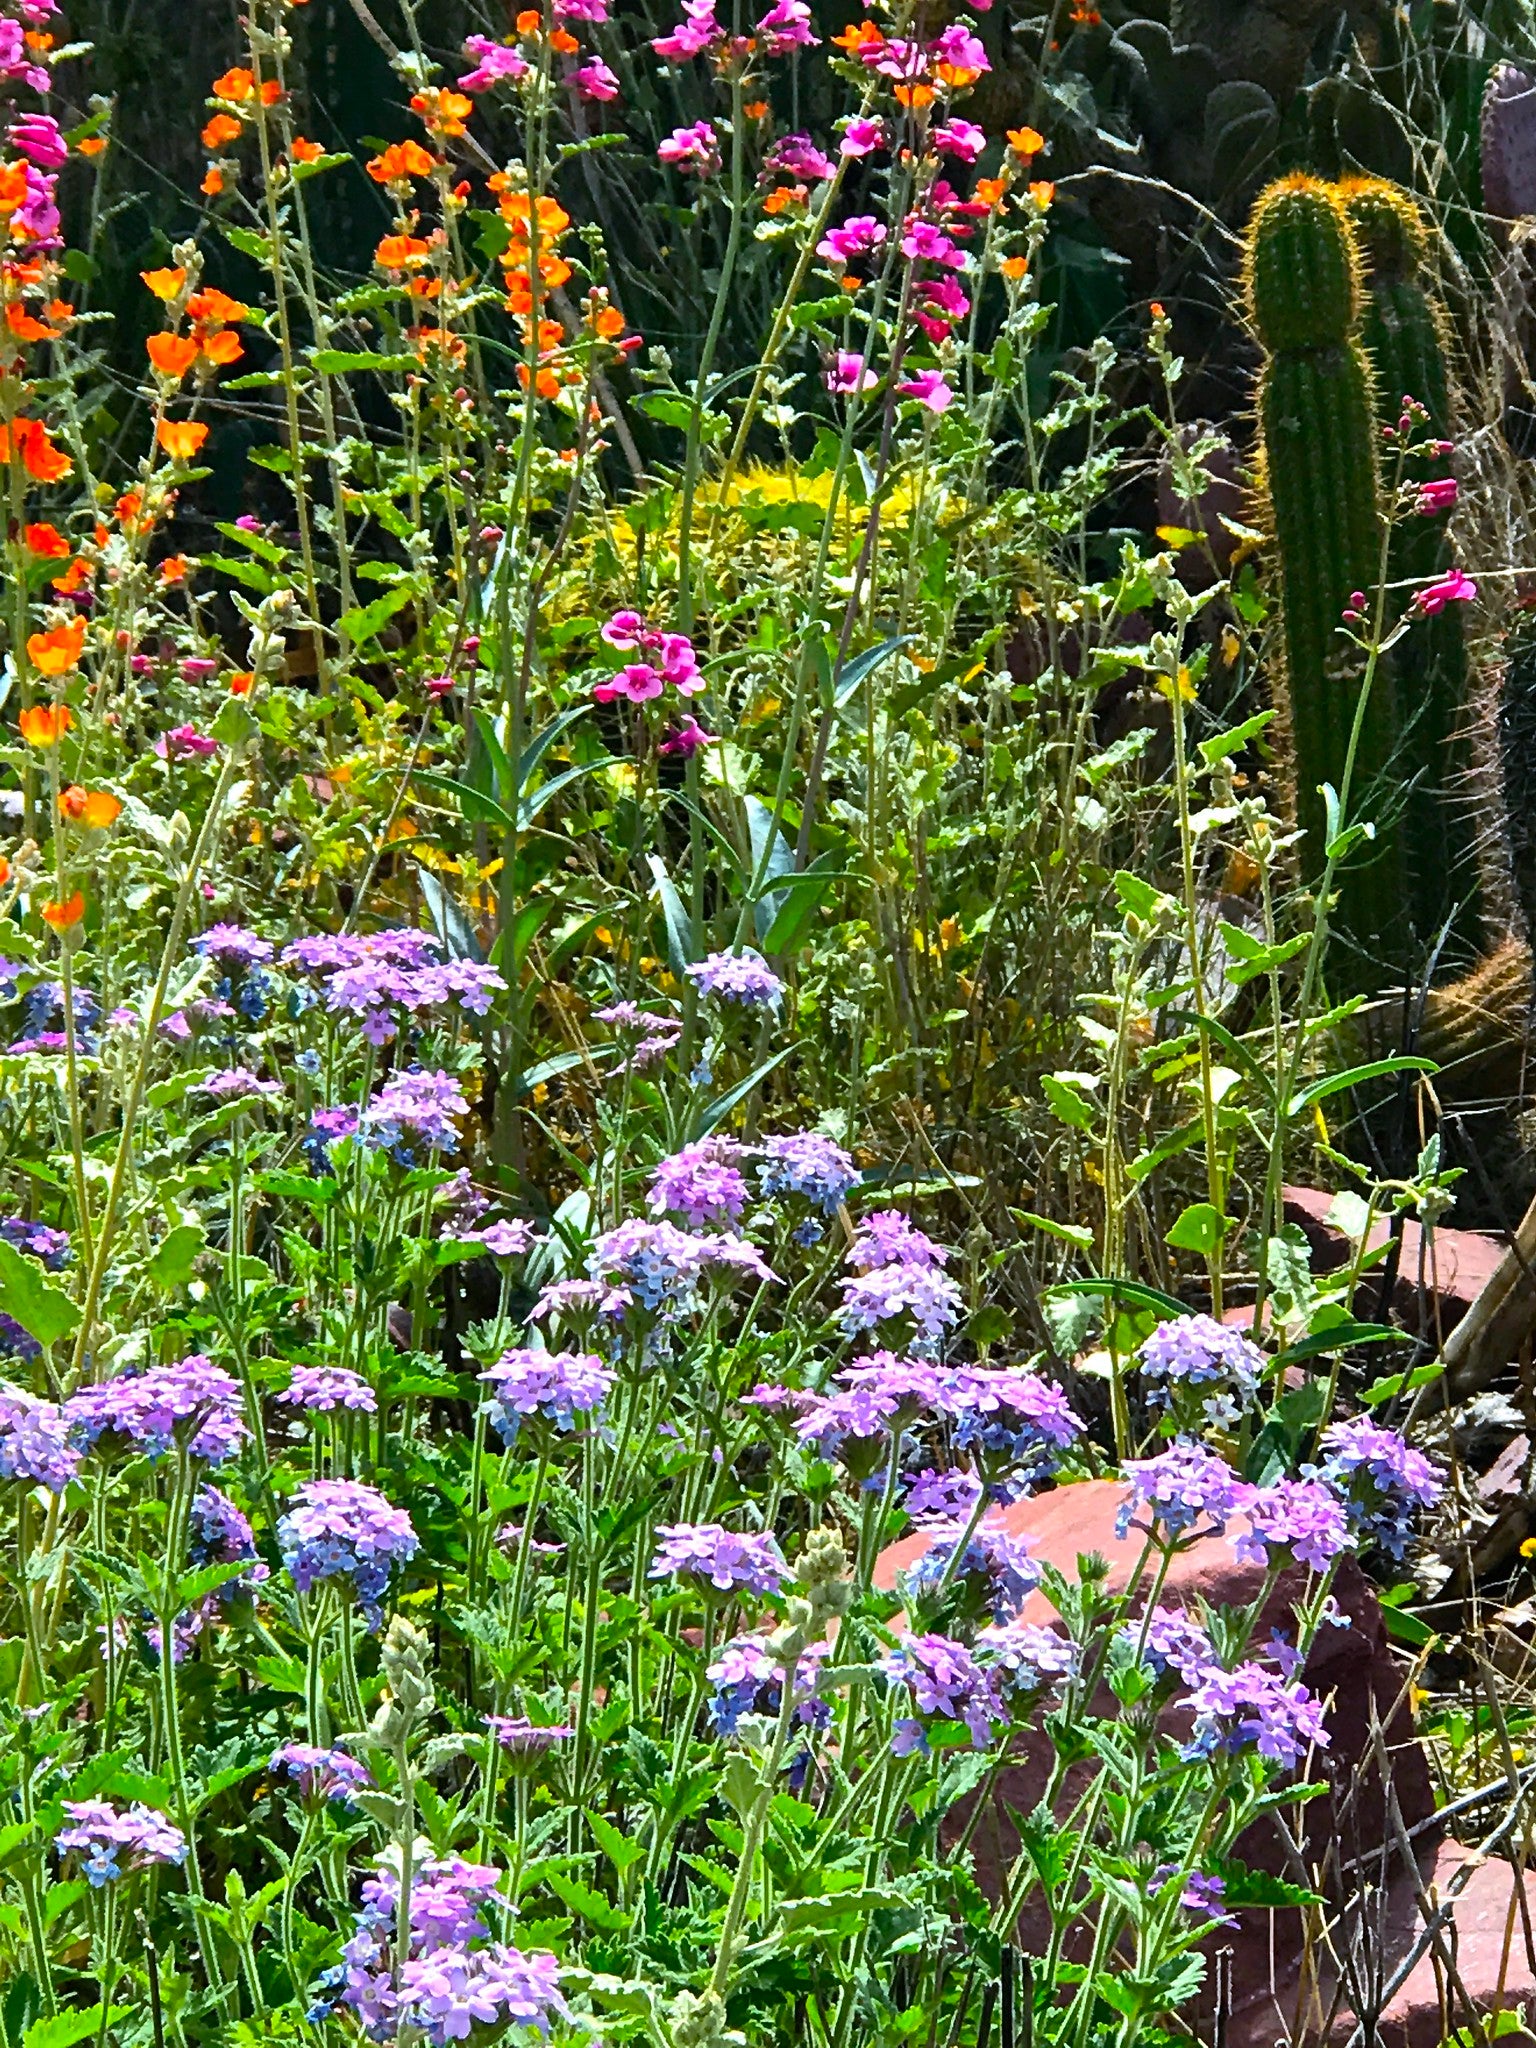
point(63, 2029)
point(620, 1849)
point(590, 1905)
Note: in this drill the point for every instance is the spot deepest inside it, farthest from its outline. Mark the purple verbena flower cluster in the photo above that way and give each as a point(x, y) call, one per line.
point(1217, 1361)
point(454, 1979)
point(415, 1112)
point(149, 1411)
point(743, 977)
point(556, 1386)
point(1299, 1516)
point(324, 1388)
point(1171, 1642)
point(747, 1680)
point(38, 1239)
point(1383, 1480)
point(1025, 1658)
point(946, 1684)
point(320, 1774)
point(523, 1737)
point(340, 1529)
point(649, 1035)
point(1179, 1488)
point(35, 1443)
point(994, 1573)
point(810, 1168)
point(108, 1838)
point(665, 1268)
point(703, 1183)
point(1253, 1707)
point(716, 1557)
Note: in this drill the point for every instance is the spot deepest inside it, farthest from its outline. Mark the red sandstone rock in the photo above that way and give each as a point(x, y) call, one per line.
point(1453, 1269)
point(1484, 1942)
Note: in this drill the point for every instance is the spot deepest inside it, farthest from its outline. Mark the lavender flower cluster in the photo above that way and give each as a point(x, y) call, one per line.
point(454, 1977)
point(555, 1386)
point(342, 1530)
point(113, 1841)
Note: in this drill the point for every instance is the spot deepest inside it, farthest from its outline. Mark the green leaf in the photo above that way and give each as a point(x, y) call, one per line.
point(772, 859)
point(1232, 742)
point(364, 621)
point(338, 362)
point(175, 1256)
point(1401, 1382)
point(1334, 1084)
point(679, 925)
point(1070, 1233)
point(1136, 1292)
point(591, 1905)
point(1069, 1103)
point(620, 1849)
point(248, 242)
point(1199, 1228)
point(30, 1298)
point(798, 897)
point(64, 2029)
point(1337, 1337)
point(852, 678)
point(718, 1110)
point(474, 805)
point(1407, 1628)
point(1136, 896)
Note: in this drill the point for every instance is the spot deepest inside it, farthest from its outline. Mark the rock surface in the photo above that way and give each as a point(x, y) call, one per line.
point(1435, 1283)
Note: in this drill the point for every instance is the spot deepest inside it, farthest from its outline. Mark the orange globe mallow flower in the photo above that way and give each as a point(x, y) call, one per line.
point(401, 162)
point(62, 915)
point(212, 304)
point(166, 283)
point(57, 651)
point(221, 129)
point(181, 439)
point(172, 354)
point(401, 252)
point(43, 539)
point(238, 85)
point(44, 725)
point(75, 577)
point(442, 111)
point(29, 443)
point(305, 151)
point(242, 683)
point(97, 808)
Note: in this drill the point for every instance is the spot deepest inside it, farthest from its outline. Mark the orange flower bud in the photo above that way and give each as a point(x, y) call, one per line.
point(62, 915)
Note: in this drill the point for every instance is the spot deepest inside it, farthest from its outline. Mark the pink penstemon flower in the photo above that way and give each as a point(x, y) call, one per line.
point(930, 389)
point(1454, 588)
point(1438, 495)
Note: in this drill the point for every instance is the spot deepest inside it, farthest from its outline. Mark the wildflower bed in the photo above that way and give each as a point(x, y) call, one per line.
point(521, 947)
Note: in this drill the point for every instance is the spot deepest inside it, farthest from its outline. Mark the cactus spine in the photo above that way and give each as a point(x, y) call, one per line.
point(1403, 332)
point(1317, 422)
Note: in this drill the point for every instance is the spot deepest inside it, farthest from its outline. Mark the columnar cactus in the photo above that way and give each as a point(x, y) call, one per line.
point(1509, 143)
point(1404, 335)
point(1318, 427)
